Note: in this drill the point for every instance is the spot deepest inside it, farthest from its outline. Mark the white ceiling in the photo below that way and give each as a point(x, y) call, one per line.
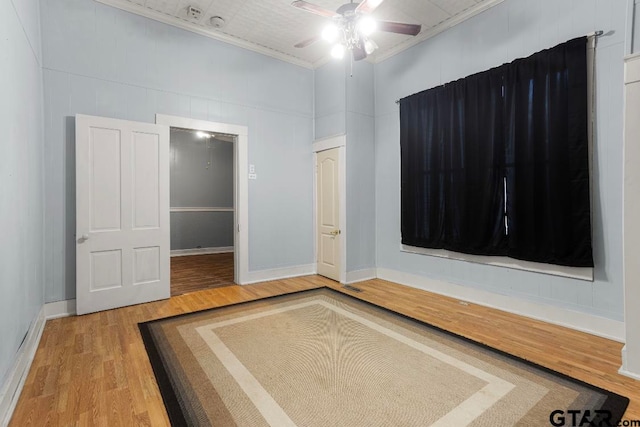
point(272, 27)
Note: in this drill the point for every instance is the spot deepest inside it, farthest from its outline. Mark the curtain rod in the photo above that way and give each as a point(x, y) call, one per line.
point(597, 33)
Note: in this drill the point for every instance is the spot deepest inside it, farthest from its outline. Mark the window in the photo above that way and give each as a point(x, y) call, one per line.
point(497, 163)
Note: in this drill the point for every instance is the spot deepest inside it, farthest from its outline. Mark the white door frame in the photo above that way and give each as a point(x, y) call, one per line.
point(631, 229)
point(340, 142)
point(240, 183)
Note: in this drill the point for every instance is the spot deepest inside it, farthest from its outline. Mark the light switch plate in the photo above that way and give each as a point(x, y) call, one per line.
point(252, 168)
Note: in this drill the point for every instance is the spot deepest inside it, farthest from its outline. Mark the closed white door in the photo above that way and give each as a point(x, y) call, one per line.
point(122, 213)
point(329, 233)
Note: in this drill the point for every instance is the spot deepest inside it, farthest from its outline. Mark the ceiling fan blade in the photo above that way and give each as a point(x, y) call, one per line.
point(359, 53)
point(307, 42)
point(368, 6)
point(309, 7)
point(399, 28)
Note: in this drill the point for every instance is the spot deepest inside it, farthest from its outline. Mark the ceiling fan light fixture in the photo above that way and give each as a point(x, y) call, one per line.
point(370, 46)
point(368, 6)
point(350, 28)
point(366, 25)
point(337, 51)
point(330, 32)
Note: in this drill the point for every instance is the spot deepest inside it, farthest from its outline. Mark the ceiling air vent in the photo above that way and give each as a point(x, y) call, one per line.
point(193, 12)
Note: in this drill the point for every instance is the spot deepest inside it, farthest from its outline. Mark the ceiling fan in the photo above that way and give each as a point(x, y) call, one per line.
point(352, 26)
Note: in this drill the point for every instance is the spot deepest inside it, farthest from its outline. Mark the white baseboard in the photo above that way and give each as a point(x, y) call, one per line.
point(360, 275)
point(201, 251)
point(57, 309)
point(626, 373)
point(279, 273)
point(623, 369)
point(11, 389)
point(595, 325)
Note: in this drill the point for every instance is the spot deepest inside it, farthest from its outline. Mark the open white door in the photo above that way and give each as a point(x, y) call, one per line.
point(122, 213)
point(329, 233)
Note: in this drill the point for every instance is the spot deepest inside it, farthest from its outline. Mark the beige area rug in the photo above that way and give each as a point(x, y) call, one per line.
point(322, 358)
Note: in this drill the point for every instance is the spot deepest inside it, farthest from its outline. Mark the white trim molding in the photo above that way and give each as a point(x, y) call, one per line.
point(280, 273)
point(329, 143)
point(434, 31)
point(240, 182)
point(14, 382)
point(11, 389)
point(173, 210)
point(360, 275)
point(217, 35)
point(584, 322)
point(202, 251)
point(580, 273)
point(632, 69)
point(631, 212)
point(622, 370)
point(57, 309)
point(203, 31)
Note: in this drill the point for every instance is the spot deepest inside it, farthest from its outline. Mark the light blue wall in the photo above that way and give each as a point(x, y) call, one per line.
point(360, 124)
point(102, 61)
point(515, 28)
point(21, 176)
point(345, 105)
point(330, 98)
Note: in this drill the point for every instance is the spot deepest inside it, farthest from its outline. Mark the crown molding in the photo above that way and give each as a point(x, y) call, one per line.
point(211, 33)
point(186, 25)
point(432, 32)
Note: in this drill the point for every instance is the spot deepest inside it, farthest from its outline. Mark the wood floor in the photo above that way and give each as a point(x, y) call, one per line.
point(198, 272)
point(93, 370)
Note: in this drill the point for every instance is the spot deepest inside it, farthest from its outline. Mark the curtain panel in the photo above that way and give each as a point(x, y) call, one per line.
point(497, 163)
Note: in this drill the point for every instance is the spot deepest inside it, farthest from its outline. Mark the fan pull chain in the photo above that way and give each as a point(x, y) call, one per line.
point(351, 56)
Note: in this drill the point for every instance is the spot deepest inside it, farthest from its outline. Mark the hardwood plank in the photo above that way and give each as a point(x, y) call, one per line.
point(93, 369)
point(197, 272)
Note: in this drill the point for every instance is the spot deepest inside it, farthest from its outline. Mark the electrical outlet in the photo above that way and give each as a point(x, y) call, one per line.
point(253, 176)
point(252, 168)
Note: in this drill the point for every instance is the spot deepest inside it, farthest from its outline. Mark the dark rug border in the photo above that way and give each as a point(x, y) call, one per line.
point(615, 403)
point(171, 404)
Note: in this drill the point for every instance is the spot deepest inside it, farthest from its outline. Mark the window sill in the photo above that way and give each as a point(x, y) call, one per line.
point(580, 273)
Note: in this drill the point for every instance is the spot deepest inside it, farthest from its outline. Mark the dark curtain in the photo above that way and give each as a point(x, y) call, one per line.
point(452, 161)
point(482, 193)
point(523, 124)
point(547, 159)
point(423, 169)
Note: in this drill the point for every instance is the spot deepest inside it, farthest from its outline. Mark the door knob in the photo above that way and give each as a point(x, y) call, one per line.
point(335, 232)
point(83, 238)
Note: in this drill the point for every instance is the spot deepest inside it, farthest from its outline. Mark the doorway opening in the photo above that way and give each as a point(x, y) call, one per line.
point(240, 213)
point(202, 174)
